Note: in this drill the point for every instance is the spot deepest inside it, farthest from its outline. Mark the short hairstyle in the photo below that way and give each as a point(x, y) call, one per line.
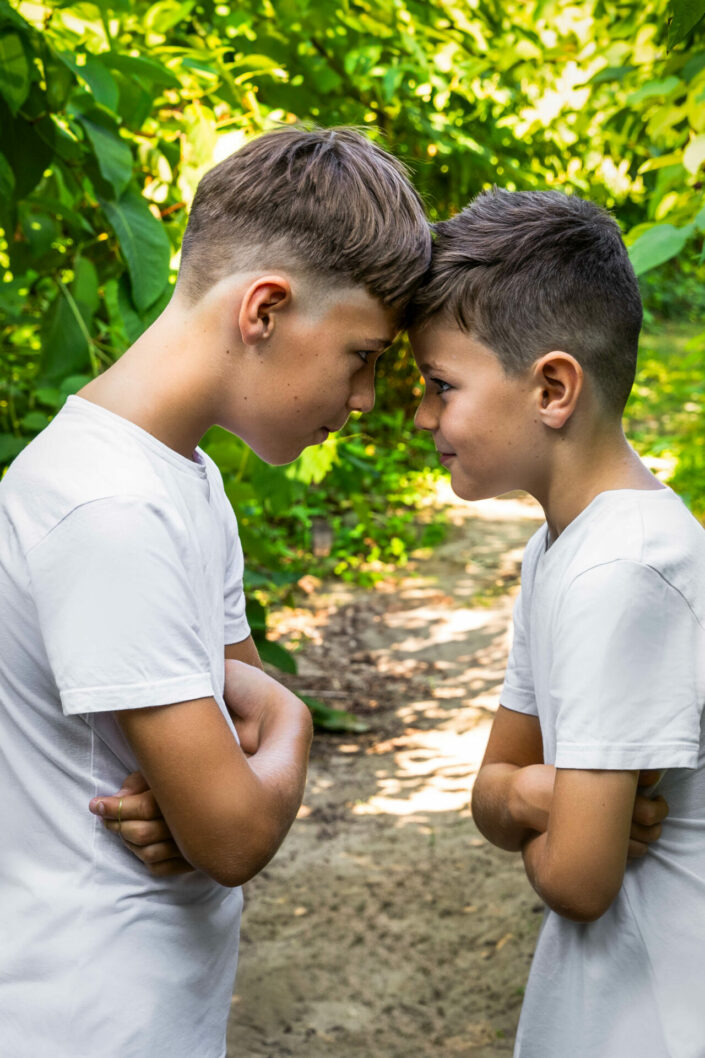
point(528, 272)
point(329, 201)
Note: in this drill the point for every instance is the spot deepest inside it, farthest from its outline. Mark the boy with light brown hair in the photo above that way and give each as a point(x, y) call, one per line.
point(125, 642)
point(526, 333)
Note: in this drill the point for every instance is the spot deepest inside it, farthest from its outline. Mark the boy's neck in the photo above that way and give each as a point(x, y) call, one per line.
point(583, 471)
point(161, 383)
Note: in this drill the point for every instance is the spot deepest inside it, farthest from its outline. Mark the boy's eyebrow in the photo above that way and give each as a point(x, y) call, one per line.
point(378, 343)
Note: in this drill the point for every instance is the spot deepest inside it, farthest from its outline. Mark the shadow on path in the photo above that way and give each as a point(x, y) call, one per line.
point(386, 926)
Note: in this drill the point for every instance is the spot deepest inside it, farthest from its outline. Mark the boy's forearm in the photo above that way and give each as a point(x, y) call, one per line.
point(562, 889)
point(509, 804)
point(280, 764)
point(577, 866)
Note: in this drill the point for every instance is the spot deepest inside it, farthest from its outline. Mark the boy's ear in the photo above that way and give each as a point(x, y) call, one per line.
point(266, 296)
point(559, 383)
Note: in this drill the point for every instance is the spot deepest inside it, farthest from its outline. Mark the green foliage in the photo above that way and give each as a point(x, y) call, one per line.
point(111, 111)
point(684, 15)
point(666, 412)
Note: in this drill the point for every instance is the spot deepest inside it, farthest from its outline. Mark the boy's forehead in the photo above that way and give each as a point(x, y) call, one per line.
point(356, 311)
point(437, 341)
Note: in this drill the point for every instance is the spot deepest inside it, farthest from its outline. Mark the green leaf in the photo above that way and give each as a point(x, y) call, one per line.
point(136, 323)
point(101, 81)
point(314, 463)
point(59, 80)
point(685, 15)
point(49, 396)
point(165, 14)
point(200, 66)
point(142, 68)
point(113, 154)
point(39, 231)
point(26, 151)
point(10, 446)
point(661, 162)
point(15, 78)
point(85, 288)
point(694, 154)
point(12, 299)
point(34, 421)
point(8, 17)
point(97, 76)
point(276, 655)
point(693, 66)
point(144, 244)
point(653, 88)
point(136, 101)
point(256, 615)
point(7, 178)
point(327, 719)
point(65, 349)
point(610, 73)
point(657, 245)
point(73, 383)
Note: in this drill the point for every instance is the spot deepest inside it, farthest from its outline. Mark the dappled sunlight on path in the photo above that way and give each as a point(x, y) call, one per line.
point(387, 926)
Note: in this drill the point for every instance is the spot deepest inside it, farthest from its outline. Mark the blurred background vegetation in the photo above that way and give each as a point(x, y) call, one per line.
point(111, 112)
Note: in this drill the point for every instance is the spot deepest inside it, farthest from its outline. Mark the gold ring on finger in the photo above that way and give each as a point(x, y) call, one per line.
point(119, 819)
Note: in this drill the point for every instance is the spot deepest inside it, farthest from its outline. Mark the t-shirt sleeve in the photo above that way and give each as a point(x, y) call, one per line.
point(117, 609)
point(626, 676)
point(236, 625)
point(518, 690)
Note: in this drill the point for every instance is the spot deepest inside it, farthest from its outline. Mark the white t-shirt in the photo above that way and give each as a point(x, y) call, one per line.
point(609, 653)
point(120, 583)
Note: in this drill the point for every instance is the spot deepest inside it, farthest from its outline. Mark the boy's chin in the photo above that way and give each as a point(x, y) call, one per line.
point(470, 491)
point(281, 457)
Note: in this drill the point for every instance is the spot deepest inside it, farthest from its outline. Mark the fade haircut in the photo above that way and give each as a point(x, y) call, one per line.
point(328, 201)
point(529, 272)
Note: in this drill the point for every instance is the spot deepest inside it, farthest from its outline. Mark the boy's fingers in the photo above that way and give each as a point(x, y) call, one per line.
point(636, 849)
point(645, 835)
point(648, 811)
point(169, 867)
point(156, 853)
point(135, 806)
point(163, 858)
point(136, 832)
point(134, 783)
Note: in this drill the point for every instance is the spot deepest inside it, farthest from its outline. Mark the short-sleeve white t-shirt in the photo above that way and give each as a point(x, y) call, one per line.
point(609, 653)
point(120, 583)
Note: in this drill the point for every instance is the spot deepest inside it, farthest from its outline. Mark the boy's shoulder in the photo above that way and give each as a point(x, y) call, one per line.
point(651, 530)
point(87, 454)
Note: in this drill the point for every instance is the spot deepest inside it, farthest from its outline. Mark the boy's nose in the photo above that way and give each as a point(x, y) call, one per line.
point(362, 397)
point(424, 419)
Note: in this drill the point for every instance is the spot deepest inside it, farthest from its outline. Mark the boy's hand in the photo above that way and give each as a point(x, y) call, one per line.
point(252, 697)
point(649, 814)
point(134, 814)
point(532, 793)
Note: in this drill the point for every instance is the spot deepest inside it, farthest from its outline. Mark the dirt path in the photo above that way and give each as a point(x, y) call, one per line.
point(386, 927)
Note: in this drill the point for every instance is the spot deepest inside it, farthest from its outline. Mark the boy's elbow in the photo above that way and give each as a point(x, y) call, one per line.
point(232, 863)
point(580, 901)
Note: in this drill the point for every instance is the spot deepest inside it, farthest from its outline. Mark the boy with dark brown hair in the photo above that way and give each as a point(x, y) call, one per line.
point(125, 641)
point(526, 333)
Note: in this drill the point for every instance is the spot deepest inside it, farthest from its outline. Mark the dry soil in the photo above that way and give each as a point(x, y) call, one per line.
point(386, 927)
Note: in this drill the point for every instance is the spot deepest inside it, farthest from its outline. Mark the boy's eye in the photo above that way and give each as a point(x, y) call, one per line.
point(364, 354)
point(441, 386)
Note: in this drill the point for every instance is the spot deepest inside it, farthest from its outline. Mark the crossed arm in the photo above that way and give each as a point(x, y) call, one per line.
point(199, 801)
point(575, 828)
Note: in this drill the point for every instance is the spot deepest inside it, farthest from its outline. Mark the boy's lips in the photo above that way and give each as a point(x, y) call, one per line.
point(445, 457)
point(334, 429)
